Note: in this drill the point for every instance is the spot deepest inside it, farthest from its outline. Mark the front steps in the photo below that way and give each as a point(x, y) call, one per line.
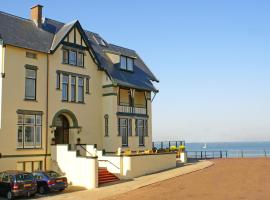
point(104, 176)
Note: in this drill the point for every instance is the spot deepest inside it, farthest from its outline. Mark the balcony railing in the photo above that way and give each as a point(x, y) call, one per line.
point(132, 110)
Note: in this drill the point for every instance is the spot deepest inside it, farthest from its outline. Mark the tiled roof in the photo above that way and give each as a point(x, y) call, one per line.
point(24, 33)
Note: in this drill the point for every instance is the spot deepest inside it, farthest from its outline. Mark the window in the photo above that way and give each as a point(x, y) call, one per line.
point(31, 55)
point(80, 59)
point(65, 56)
point(57, 81)
point(65, 88)
point(123, 130)
point(73, 88)
point(29, 166)
point(106, 118)
point(123, 62)
point(100, 41)
point(129, 64)
point(87, 86)
point(72, 57)
point(80, 90)
point(126, 63)
point(141, 130)
point(30, 84)
point(29, 131)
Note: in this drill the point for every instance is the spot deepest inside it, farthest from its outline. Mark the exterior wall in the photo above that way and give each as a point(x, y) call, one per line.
point(88, 113)
point(1, 78)
point(135, 166)
point(80, 171)
point(128, 167)
point(102, 100)
point(13, 88)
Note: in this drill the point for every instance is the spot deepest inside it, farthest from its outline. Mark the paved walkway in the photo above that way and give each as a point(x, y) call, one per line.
point(116, 189)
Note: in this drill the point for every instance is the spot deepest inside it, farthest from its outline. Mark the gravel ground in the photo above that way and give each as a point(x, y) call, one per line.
point(228, 179)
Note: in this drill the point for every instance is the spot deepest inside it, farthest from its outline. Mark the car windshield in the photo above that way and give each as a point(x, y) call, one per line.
point(24, 177)
point(52, 174)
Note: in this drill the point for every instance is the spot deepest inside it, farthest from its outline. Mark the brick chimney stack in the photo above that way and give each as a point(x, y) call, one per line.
point(36, 15)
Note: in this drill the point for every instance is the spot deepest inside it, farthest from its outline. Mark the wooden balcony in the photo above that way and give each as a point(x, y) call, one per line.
point(132, 110)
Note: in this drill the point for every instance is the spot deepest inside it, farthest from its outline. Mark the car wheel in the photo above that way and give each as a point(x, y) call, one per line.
point(41, 190)
point(9, 195)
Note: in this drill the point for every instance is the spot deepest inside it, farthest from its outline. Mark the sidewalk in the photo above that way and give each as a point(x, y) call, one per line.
point(122, 187)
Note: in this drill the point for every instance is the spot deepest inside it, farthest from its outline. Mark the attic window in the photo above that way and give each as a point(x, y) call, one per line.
point(100, 41)
point(126, 63)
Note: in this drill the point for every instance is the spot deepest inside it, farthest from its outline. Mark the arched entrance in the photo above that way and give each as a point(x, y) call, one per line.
point(62, 131)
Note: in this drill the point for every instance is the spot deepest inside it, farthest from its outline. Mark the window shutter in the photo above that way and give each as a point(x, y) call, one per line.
point(130, 127)
point(136, 127)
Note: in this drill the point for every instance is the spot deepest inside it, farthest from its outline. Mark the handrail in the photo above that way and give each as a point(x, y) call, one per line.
point(110, 163)
point(84, 149)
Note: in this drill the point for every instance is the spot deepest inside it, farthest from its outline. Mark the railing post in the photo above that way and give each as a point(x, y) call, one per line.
point(169, 144)
point(201, 155)
point(226, 154)
point(242, 153)
point(176, 144)
point(196, 155)
point(161, 145)
point(205, 154)
point(220, 154)
point(153, 145)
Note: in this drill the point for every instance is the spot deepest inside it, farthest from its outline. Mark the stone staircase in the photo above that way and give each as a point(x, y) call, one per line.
point(104, 176)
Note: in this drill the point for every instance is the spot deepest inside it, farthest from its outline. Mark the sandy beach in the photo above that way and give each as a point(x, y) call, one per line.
point(227, 179)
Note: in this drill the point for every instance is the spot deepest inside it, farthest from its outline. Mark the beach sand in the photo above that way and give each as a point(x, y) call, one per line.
point(227, 179)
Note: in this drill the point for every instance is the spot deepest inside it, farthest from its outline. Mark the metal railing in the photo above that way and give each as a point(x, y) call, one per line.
point(132, 110)
point(227, 154)
point(167, 144)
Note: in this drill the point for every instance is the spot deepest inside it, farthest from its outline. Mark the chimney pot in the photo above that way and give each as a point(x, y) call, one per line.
point(36, 14)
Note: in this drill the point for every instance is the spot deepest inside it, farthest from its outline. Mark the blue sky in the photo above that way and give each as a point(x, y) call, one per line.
point(212, 59)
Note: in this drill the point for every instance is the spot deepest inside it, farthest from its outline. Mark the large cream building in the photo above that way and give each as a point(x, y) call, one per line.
point(61, 84)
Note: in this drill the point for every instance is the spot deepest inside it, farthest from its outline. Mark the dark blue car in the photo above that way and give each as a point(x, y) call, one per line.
point(49, 181)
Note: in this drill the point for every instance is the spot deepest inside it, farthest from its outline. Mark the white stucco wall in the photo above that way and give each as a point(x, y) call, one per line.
point(80, 171)
point(128, 167)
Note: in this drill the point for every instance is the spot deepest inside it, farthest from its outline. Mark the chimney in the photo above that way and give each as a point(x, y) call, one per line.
point(36, 15)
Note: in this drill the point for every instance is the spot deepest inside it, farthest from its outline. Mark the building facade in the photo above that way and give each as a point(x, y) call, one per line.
point(61, 84)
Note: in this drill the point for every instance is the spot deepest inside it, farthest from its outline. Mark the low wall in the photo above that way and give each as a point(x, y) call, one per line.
point(80, 171)
point(128, 167)
point(134, 166)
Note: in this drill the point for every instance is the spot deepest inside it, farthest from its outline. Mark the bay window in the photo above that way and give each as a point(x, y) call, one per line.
point(73, 88)
point(65, 88)
point(81, 90)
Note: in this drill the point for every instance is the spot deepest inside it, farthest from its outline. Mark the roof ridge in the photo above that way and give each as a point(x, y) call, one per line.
point(54, 20)
point(15, 16)
point(123, 47)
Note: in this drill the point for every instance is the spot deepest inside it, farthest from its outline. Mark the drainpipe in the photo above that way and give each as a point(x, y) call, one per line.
point(47, 110)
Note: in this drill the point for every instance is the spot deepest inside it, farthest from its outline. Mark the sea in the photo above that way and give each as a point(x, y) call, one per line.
point(225, 149)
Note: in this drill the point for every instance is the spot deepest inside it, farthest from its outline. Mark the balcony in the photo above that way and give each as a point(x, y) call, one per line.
point(132, 110)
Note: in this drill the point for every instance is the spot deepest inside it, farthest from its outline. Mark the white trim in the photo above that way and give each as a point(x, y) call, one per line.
point(2, 54)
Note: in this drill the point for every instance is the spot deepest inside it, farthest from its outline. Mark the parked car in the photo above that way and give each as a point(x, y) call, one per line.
point(50, 181)
point(17, 183)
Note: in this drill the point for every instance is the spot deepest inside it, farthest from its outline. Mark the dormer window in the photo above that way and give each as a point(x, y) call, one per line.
point(126, 63)
point(100, 41)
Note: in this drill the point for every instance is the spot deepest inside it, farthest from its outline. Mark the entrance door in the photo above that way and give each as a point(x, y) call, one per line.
point(62, 132)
